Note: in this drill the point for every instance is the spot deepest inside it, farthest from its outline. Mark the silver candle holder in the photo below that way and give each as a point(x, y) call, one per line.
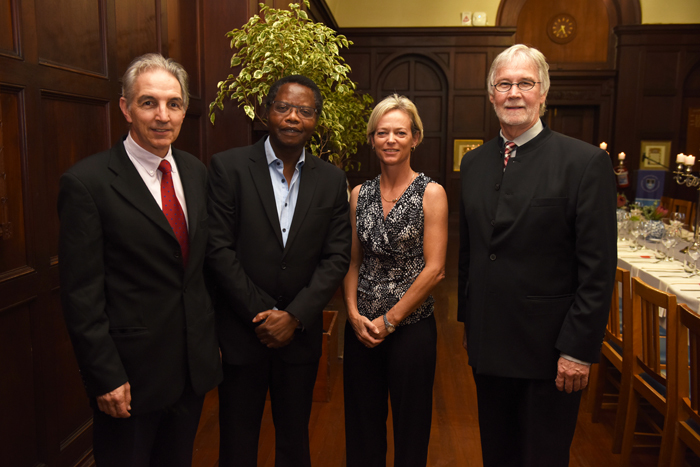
point(683, 176)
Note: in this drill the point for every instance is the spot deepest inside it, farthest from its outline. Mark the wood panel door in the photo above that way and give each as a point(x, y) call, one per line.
point(422, 81)
point(580, 122)
point(60, 64)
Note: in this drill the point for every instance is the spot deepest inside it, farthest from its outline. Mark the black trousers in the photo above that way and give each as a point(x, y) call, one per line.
point(402, 368)
point(161, 438)
point(242, 397)
point(525, 422)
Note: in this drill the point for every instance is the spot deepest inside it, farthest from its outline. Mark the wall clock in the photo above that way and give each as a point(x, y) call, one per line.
point(562, 28)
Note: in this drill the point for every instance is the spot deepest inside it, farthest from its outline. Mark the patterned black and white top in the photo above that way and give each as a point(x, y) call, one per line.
point(393, 249)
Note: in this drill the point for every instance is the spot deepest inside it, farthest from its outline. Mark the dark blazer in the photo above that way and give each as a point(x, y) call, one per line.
point(254, 272)
point(537, 254)
point(133, 313)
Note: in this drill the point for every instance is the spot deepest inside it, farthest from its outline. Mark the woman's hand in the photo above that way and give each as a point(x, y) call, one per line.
point(366, 331)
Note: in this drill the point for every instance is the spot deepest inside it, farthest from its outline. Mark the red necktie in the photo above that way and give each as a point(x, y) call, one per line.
point(508, 149)
point(173, 210)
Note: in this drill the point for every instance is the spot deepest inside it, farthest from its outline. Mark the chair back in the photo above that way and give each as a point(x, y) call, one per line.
point(620, 308)
point(688, 349)
point(685, 207)
point(651, 358)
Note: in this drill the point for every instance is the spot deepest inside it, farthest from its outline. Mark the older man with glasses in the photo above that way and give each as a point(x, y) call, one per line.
point(536, 269)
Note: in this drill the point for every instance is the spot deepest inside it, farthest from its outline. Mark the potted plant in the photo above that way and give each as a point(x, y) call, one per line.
point(278, 43)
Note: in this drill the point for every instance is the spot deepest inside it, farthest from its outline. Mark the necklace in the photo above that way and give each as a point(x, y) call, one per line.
point(415, 174)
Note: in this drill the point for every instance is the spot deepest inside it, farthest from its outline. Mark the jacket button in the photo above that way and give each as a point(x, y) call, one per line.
point(492, 257)
point(284, 265)
point(493, 223)
point(177, 255)
point(498, 186)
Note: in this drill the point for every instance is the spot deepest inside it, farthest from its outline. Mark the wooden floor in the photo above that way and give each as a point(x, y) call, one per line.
point(454, 439)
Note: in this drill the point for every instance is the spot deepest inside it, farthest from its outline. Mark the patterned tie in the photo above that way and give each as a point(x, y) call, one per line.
point(506, 152)
point(173, 210)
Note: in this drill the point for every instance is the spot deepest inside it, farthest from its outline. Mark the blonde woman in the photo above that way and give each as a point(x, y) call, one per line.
point(399, 222)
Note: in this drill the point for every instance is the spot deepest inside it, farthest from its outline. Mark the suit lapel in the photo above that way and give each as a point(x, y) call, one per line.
point(308, 181)
point(129, 184)
point(260, 174)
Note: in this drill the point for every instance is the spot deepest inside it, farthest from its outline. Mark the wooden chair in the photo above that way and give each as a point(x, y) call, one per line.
point(666, 202)
point(617, 352)
point(686, 207)
point(687, 429)
point(648, 377)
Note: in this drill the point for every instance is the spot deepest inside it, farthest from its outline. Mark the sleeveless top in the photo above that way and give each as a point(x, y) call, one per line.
point(393, 249)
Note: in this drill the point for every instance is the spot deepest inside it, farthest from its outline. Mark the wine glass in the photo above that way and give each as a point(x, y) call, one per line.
point(669, 239)
point(635, 230)
point(693, 253)
point(678, 218)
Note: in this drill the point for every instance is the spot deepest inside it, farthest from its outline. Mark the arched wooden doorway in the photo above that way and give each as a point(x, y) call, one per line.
point(423, 81)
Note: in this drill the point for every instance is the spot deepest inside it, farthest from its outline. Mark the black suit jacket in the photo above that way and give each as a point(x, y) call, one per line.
point(537, 254)
point(252, 269)
point(133, 312)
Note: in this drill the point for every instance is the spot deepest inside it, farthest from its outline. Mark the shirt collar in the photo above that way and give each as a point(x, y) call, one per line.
point(528, 135)
point(146, 159)
point(271, 157)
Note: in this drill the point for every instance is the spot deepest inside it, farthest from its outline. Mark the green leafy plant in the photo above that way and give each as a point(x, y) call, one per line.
point(278, 43)
point(654, 212)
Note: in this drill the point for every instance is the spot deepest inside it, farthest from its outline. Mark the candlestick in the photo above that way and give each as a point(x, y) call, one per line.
point(690, 161)
point(603, 145)
point(621, 156)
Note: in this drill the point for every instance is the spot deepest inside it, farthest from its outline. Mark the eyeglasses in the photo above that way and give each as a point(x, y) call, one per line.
point(284, 108)
point(504, 86)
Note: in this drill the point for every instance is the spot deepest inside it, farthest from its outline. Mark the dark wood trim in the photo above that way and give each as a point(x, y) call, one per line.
point(321, 13)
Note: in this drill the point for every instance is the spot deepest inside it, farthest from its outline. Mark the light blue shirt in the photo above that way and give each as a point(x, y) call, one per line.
point(285, 194)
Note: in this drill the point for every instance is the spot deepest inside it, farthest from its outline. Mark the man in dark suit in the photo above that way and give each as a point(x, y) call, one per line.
point(536, 269)
point(132, 245)
point(279, 248)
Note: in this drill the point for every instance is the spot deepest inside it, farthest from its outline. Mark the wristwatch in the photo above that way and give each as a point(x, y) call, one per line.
point(389, 327)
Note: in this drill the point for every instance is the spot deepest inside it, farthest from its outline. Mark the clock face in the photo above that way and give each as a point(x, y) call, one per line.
point(561, 28)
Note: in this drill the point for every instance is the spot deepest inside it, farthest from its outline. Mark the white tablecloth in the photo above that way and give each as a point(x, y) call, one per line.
point(663, 275)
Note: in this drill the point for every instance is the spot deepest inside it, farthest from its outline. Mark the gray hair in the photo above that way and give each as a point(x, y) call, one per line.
point(529, 53)
point(395, 102)
point(152, 62)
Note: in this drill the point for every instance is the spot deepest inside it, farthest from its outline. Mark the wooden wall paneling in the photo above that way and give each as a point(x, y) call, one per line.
point(589, 47)
point(625, 12)
point(468, 116)
point(13, 244)
point(190, 135)
point(68, 140)
point(470, 71)
point(653, 62)
point(71, 35)
point(183, 39)
point(232, 128)
point(138, 28)
point(19, 419)
point(9, 28)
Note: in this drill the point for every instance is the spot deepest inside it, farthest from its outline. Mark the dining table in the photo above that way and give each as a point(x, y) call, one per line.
point(667, 276)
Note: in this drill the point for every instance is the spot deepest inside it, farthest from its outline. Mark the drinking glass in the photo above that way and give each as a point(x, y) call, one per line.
point(669, 240)
point(635, 229)
point(693, 253)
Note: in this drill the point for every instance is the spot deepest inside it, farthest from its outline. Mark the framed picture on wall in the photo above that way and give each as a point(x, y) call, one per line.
point(655, 155)
point(462, 146)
